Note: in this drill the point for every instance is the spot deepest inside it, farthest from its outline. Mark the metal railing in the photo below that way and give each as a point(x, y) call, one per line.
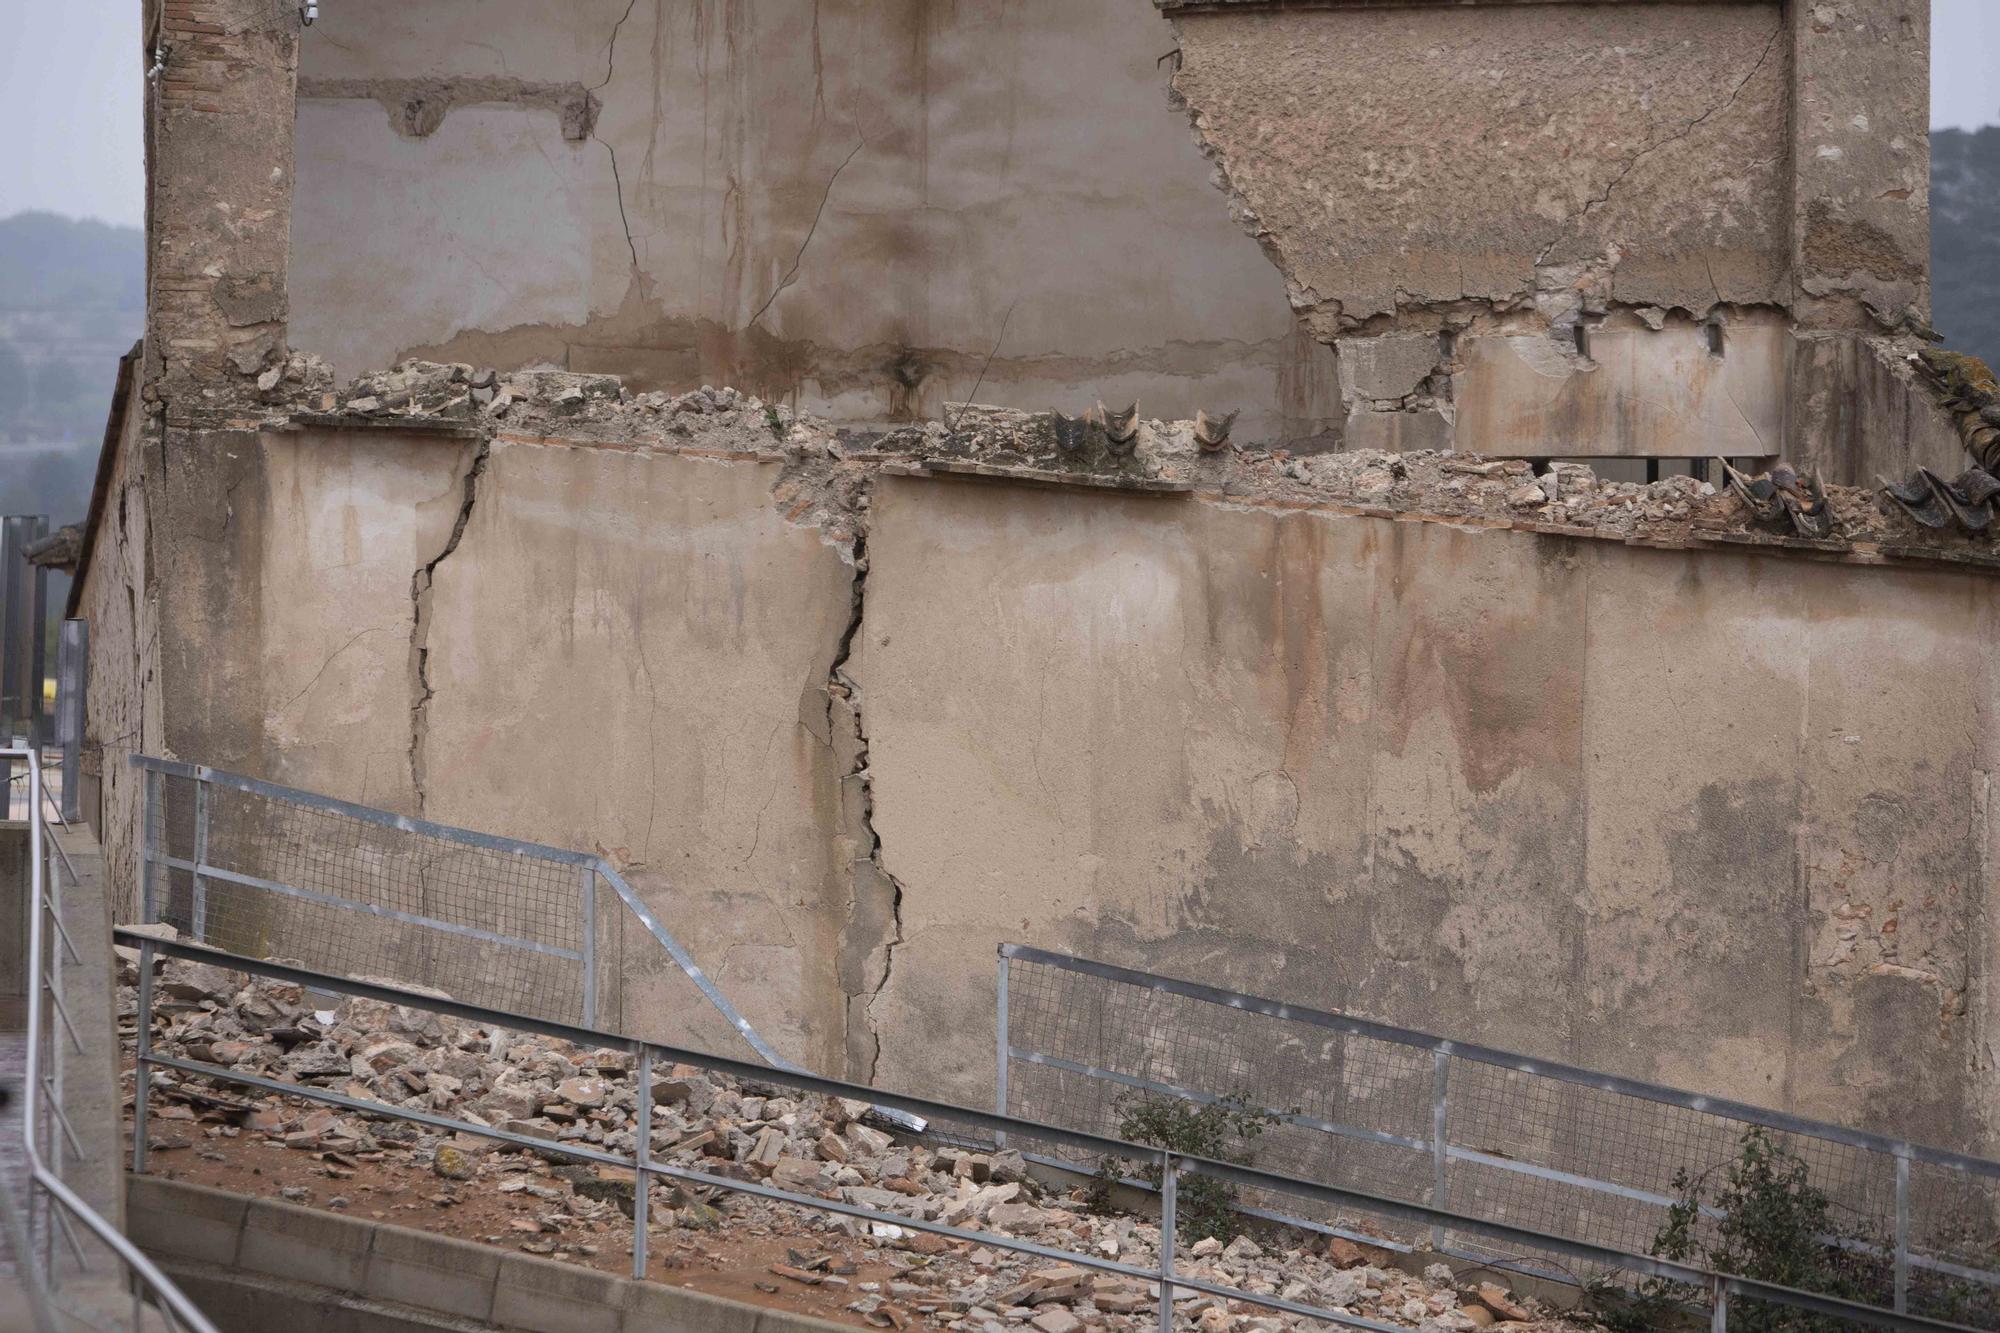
point(1572, 1152)
point(266, 870)
point(1165, 1276)
point(55, 1209)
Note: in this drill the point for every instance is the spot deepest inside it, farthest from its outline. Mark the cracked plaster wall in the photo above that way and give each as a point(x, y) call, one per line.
point(1646, 811)
point(1403, 157)
point(834, 203)
point(123, 705)
point(1508, 172)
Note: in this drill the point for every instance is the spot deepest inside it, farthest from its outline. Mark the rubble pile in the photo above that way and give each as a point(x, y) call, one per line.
point(1100, 447)
point(833, 1148)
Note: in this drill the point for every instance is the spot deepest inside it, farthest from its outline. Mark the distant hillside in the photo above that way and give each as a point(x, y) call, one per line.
point(59, 263)
point(1965, 240)
point(72, 299)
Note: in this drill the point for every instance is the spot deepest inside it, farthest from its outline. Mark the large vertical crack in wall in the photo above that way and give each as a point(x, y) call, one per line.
point(421, 582)
point(617, 181)
point(874, 925)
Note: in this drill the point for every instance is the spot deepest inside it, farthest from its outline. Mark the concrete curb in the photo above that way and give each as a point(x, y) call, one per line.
point(258, 1254)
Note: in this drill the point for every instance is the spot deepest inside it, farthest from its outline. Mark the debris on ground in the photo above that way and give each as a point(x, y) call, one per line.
point(880, 1274)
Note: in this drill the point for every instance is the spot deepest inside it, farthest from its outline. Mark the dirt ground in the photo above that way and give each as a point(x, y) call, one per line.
point(733, 1261)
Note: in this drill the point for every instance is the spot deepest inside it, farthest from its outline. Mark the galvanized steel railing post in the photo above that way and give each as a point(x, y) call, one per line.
point(72, 676)
point(642, 1161)
point(589, 946)
point(1000, 1051)
point(149, 852)
point(48, 1081)
point(200, 913)
point(1440, 1154)
point(1169, 1189)
point(141, 1075)
point(61, 1204)
point(1718, 1316)
point(1902, 1233)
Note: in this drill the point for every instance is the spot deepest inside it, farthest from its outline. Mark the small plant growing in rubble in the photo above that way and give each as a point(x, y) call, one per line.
point(1223, 1130)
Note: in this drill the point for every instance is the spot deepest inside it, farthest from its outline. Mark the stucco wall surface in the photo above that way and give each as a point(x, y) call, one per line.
point(1715, 819)
point(845, 203)
point(629, 655)
point(124, 711)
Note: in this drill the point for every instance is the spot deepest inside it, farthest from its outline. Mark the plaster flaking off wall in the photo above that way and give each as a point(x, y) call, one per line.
point(849, 205)
point(1400, 156)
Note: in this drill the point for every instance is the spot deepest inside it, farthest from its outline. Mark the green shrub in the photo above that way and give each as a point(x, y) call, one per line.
point(1222, 1130)
point(1776, 1226)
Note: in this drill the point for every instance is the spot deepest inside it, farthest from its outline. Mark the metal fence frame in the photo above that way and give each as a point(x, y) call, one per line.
point(1439, 1146)
point(590, 869)
point(58, 1203)
point(1170, 1165)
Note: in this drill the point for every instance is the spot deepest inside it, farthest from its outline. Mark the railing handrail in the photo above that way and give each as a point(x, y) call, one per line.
point(1514, 1061)
point(181, 1310)
point(1168, 1162)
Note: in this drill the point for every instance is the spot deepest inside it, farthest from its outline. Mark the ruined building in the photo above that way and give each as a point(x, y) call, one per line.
point(1360, 665)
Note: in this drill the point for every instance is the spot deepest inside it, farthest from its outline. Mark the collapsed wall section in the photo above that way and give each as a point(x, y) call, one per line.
point(1633, 230)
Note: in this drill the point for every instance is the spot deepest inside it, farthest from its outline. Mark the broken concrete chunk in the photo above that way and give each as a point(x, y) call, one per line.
point(198, 981)
point(1497, 1299)
point(800, 1177)
point(585, 1092)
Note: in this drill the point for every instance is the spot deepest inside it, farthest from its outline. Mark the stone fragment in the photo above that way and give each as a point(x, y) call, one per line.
point(320, 1060)
point(767, 1148)
point(1016, 1217)
point(799, 1177)
point(453, 1164)
point(584, 1092)
point(868, 1142)
point(1057, 1320)
point(1497, 1299)
point(198, 981)
point(616, 1190)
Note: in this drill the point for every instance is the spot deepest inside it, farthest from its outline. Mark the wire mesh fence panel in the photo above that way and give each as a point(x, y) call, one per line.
point(1488, 1134)
point(273, 872)
point(1955, 1234)
point(267, 875)
point(1323, 1105)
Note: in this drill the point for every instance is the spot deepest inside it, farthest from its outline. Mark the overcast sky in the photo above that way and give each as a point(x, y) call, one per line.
point(70, 72)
